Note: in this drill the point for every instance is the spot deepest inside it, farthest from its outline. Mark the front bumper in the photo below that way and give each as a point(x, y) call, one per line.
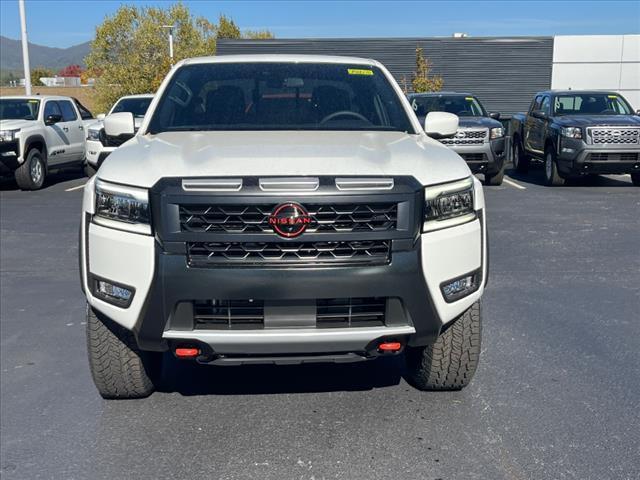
point(164, 283)
point(576, 157)
point(488, 157)
point(9, 154)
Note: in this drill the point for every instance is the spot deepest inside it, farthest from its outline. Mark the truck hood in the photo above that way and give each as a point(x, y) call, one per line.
point(145, 159)
point(593, 120)
point(478, 122)
point(15, 124)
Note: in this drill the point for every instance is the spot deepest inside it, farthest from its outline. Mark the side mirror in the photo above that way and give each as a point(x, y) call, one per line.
point(119, 125)
point(638, 113)
point(441, 125)
point(52, 119)
point(539, 114)
point(494, 115)
point(100, 116)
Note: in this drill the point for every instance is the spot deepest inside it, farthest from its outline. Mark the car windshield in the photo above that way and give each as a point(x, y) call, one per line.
point(279, 96)
point(591, 104)
point(461, 105)
point(19, 109)
point(137, 106)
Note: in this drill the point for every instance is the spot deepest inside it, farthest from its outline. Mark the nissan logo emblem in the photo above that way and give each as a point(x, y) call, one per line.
point(289, 219)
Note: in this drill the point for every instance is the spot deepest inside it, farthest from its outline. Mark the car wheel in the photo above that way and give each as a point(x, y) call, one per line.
point(495, 179)
point(32, 173)
point(118, 367)
point(520, 159)
point(635, 178)
point(551, 175)
point(450, 363)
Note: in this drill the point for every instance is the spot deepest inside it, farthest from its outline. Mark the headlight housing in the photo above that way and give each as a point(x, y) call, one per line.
point(8, 135)
point(448, 205)
point(571, 132)
point(497, 132)
point(122, 207)
point(93, 135)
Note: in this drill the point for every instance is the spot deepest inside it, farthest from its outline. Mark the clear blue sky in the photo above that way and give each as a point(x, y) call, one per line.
point(60, 23)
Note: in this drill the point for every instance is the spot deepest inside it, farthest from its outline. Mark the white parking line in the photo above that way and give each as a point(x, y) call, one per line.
point(514, 184)
point(74, 188)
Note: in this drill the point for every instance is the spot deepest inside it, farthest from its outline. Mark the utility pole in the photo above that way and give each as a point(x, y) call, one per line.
point(25, 49)
point(170, 27)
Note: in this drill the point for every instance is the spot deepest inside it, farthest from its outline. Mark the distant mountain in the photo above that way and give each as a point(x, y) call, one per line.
point(40, 56)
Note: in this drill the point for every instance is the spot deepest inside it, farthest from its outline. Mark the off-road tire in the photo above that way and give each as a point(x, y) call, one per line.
point(520, 159)
point(26, 178)
point(89, 170)
point(635, 179)
point(118, 367)
point(495, 179)
point(551, 175)
point(449, 363)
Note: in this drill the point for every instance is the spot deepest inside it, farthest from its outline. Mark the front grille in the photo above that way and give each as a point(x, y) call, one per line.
point(250, 314)
point(370, 217)
point(221, 314)
point(613, 157)
point(109, 141)
point(350, 312)
point(467, 137)
point(474, 157)
point(229, 254)
point(614, 136)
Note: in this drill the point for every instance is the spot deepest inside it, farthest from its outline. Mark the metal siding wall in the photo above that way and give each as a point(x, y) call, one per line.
point(504, 73)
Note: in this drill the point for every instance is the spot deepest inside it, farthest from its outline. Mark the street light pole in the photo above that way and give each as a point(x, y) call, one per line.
point(170, 27)
point(25, 49)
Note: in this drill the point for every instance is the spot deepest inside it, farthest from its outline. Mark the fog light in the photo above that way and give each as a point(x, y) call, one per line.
point(461, 287)
point(567, 150)
point(112, 292)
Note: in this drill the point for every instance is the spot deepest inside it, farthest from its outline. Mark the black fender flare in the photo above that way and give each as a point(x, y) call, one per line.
point(36, 138)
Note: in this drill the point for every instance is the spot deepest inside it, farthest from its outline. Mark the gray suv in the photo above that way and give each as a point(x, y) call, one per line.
point(480, 139)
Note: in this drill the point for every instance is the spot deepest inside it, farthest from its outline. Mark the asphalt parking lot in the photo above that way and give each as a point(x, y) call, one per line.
point(555, 397)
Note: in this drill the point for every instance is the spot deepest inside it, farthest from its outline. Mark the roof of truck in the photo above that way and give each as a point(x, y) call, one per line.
point(281, 58)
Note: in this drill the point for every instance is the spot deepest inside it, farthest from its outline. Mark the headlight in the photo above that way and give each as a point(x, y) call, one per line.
point(571, 132)
point(122, 207)
point(497, 132)
point(8, 135)
point(448, 205)
point(93, 135)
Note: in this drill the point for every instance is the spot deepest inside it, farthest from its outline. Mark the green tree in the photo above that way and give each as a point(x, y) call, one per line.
point(39, 72)
point(130, 52)
point(422, 81)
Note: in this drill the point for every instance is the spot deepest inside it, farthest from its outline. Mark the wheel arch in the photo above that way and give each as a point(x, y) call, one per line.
point(36, 141)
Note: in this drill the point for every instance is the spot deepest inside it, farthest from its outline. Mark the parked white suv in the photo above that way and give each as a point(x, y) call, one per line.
point(99, 145)
point(282, 209)
point(39, 134)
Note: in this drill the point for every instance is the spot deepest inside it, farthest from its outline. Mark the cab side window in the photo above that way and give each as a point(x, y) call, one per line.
point(52, 108)
point(546, 105)
point(537, 103)
point(68, 112)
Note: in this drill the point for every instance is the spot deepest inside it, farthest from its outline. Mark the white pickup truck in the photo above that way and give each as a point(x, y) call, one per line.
point(39, 134)
point(282, 209)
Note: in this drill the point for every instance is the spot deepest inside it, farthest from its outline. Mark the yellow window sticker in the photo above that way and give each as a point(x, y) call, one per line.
point(612, 96)
point(469, 99)
point(359, 71)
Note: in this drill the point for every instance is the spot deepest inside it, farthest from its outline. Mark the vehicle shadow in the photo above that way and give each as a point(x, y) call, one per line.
point(190, 378)
point(8, 183)
point(535, 176)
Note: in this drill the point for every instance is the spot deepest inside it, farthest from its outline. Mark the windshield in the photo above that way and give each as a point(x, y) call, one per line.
point(591, 104)
point(19, 109)
point(279, 96)
point(463, 106)
point(137, 106)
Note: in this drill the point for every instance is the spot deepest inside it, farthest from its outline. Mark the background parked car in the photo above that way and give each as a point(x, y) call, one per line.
point(480, 139)
point(99, 145)
point(578, 133)
point(39, 134)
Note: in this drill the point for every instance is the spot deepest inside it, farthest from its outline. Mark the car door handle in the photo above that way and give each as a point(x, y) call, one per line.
point(81, 127)
point(66, 129)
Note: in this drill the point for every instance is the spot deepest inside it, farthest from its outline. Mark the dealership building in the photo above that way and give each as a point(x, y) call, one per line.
point(504, 72)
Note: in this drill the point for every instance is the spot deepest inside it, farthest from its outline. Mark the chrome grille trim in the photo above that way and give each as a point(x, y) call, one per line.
point(610, 135)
